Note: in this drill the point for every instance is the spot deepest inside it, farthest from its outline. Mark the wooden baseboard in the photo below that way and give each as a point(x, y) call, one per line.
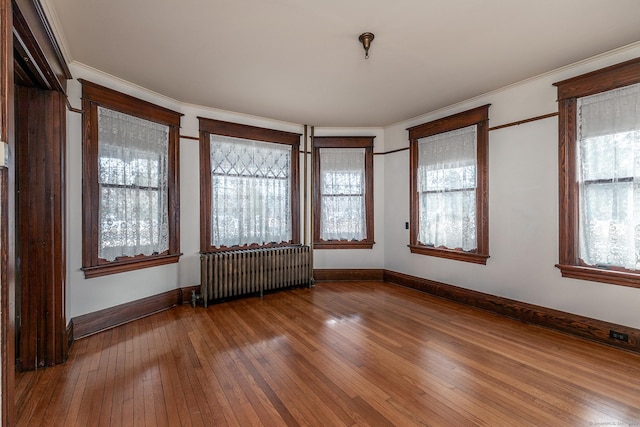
point(580, 326)
point(336, 274)
point(98, 321)
point(69, 337)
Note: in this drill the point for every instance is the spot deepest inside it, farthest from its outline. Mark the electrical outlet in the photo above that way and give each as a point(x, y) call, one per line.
point(618, 336)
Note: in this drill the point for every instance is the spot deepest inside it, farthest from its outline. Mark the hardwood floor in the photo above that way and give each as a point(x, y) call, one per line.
point(350, 353)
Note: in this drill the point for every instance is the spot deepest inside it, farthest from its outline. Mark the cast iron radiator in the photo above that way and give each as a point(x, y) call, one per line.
point(227, 274)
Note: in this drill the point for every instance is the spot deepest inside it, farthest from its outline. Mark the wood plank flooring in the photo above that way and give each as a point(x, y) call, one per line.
point(339, 354)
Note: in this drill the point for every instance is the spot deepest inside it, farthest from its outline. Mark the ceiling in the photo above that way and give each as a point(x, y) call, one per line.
point(300, 61)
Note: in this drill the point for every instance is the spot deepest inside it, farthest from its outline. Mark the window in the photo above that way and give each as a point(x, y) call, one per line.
point(448, 202)
point(343, 216)
point(599, 146)
point(130, 183)
point(249, 186)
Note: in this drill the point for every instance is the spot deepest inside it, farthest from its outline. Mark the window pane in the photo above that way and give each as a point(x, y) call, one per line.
point(251, 192)
point(132, 179)
point(447, 179)
point(448, 217)
point(342, 187)
point(609, 172)
point(609, 227)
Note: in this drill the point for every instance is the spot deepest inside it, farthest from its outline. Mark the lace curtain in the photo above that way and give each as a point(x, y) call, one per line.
point(342, 186)
point(609, 168)
point(250, 192)
point(132, 177)
point(447, 189)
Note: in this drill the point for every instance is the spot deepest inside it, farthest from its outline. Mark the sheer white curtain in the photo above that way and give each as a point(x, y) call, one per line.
point(609, 168)
point(447, 189)
point(342, 187)
point(132, 176)
point(250, 192)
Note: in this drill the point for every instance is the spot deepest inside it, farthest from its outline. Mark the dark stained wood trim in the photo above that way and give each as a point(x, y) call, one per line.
point(129, 265)
point(35, 41)
point(449, 254)
point(391, 152)
point(236, 130)
point(112, 99)
point(604, 79)
point(7, 301)
point(343, 141)
point(7, 220)
point(54, 46)
point(205, 192)
point(94, 95)
point(342, 274)
point(569, 91)
point(343, 244)
point(40, 224)
point(521, 122)
point(91, 323)
point(446, 124)
point(506, 125)
point(365, 142)
point(568, 187)
point(193, 138)
point(479, 117)
point(594, 274)
point(580, 326)
point(69, 334)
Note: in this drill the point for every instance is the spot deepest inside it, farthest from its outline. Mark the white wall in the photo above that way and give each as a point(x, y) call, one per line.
point(523, 206)
point(89, 295)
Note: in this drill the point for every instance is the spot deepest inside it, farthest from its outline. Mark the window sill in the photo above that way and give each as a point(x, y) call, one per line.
point(621, 278)
point(128, 265)
point(343, 244)
point(449, 254)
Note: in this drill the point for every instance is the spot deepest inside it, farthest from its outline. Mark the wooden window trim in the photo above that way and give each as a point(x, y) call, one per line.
point(609, 78)
point(208, 127)
point(479, 117)
point(93, 96)
point(365, 142)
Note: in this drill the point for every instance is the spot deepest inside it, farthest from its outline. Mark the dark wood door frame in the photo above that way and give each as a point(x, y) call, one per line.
point(7, 278)
point(25, 38)
point(40, 207)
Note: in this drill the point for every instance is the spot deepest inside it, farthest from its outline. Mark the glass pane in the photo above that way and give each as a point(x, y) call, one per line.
point(342, 187)
point(132, 177)
point(447, 180)
point(448, 220)
point(251, 192)
point(609, 172)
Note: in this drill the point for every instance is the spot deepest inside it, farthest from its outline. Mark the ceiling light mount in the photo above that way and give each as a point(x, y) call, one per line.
point(366, 39)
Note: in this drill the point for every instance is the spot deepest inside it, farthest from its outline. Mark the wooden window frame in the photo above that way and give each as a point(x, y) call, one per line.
point(609, 78)
point(94, 96)
point(480, 118)
point(218, 127)
point(365, 142)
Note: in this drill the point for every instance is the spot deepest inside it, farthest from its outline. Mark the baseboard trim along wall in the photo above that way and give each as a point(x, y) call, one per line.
point(336, 274)
point(580, 326)
point(101, 320)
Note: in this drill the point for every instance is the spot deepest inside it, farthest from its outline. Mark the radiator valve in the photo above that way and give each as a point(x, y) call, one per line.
point(195, 298)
